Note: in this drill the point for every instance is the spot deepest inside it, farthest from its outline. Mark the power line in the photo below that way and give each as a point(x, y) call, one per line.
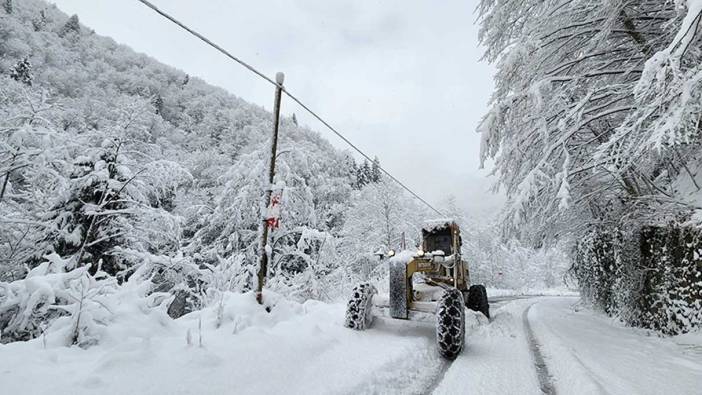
point(206, 40)
point(296, 100)
point(287, 93)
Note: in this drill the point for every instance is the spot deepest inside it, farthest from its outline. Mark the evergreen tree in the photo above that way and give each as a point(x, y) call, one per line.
point(353, 171)
point(157, 102)
point(71, 26)
point(363, 175)
point(375, 170)
point(95, 190)
point(22, 72)
point(7, 6)
point(294, 119)
point(40, 21)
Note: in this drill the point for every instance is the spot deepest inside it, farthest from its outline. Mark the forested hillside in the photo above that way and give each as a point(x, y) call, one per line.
point(595, 128)
point(113, 160)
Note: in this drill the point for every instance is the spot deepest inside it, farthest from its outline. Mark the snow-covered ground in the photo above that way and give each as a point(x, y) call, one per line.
point(304, 348)
point(295, 349)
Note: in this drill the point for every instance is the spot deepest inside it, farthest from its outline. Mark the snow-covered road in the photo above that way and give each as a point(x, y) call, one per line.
point(304, 349)
point(591, 354)
point(583, 353)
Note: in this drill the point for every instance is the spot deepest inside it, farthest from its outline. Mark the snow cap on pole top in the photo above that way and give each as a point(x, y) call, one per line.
point(279, 78)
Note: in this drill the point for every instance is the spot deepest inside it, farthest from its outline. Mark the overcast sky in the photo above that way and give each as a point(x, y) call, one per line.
point(400, 78)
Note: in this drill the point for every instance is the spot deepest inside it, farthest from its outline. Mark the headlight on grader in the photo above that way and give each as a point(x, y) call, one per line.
point(391, 253)
point(420, 253)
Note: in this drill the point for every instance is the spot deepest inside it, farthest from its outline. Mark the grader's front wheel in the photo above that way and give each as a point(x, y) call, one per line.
point(359, 313)
point(450, 323)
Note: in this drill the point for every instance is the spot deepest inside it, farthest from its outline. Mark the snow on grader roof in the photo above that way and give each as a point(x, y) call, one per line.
point(437, 224)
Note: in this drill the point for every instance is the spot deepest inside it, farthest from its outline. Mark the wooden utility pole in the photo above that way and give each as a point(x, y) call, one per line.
point(263, 260)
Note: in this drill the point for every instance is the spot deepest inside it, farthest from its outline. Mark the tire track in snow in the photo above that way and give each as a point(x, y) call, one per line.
point(439, 377)
point(594, 378)
point(418, 371)
point(545, 378)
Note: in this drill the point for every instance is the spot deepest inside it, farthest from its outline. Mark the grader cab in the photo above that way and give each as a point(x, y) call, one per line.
point(433, 281)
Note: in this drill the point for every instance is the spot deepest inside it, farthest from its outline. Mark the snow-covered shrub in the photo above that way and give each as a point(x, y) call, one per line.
point(79, 307)
point(177, 275)
point(300, 267)
point(48, 294)
point(595, 266)
point(671, 296)
point(89, 308)
point(649, 277)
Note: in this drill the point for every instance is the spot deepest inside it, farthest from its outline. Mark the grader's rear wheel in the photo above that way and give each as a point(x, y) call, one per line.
point(478, 300)
point(359, 314)
point(450, 324)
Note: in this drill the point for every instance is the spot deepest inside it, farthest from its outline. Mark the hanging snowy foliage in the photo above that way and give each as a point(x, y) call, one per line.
point(596, 108)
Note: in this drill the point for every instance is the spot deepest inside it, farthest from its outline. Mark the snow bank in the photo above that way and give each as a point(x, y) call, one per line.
point(559, 291)
point(238, 312)
point(234, 346)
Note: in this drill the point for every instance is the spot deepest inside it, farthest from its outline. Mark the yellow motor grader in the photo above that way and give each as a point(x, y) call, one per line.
point(431, 281)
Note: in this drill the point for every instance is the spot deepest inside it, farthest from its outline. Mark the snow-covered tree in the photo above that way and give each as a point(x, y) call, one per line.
point(379, 218)
point(22, 72)
point(594, 127)
point(577, 82)
point(40, 21)
point(72, 26)
point(375, 173)
point(363, 175)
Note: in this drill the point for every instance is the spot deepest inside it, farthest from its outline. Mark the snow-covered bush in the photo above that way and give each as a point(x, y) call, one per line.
point(649, 276)
point(300, 269)
point(77, 307)
point(77, 298)
point(671, 264)
point(596, 267)
point(176, 275)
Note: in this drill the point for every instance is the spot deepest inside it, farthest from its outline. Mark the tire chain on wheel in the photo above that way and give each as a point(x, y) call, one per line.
point(358, 310)
point(450, 323)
